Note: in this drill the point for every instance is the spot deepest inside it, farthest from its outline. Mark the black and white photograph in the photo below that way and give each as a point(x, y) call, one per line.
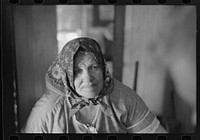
point(100, 69)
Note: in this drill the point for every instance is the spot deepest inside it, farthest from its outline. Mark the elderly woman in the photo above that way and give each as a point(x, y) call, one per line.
point(82, 97)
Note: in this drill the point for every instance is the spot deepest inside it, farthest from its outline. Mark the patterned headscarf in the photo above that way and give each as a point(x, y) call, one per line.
point(60, 76)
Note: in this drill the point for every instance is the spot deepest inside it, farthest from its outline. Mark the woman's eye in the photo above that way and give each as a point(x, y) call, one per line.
point(95, 67)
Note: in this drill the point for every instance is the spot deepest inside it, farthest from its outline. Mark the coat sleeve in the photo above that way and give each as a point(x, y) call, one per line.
point(35, 123)
point(47, 115)
point(140, 119)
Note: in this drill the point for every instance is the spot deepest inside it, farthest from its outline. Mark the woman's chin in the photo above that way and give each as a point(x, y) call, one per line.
point(89, 94)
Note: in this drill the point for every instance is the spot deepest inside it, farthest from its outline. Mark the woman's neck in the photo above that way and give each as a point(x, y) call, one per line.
point(88, 114)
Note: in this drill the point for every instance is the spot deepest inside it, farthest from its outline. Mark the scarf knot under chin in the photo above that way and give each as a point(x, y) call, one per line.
point(78, 104)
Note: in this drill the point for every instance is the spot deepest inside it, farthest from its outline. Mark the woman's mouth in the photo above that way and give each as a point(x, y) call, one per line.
point(89, 85)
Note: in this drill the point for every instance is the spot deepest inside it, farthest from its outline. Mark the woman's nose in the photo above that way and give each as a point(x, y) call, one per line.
point(87, 76)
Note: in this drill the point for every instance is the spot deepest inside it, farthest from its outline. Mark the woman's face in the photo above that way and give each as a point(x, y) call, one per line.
point(88, 78)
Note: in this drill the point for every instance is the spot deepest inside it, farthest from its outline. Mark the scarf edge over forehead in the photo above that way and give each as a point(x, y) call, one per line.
point(59, 77)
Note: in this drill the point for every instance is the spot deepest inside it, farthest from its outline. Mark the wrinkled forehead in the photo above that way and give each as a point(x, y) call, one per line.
point(84, 58)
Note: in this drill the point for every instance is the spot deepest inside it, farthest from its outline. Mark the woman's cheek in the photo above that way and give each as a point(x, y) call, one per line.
point(77, 83)
point(98, 74)
point(100, 77)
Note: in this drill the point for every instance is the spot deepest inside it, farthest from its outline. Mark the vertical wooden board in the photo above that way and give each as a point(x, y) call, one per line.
point(118, 48)
point(36, 47)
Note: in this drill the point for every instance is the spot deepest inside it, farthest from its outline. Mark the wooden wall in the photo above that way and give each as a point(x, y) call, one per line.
point(163, 40)
point(36, 47)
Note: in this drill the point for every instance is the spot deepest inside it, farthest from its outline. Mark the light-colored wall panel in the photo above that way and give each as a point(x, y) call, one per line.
point(163, 40)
